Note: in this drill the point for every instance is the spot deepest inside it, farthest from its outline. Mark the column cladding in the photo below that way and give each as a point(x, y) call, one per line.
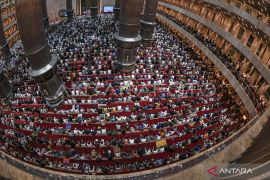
point(43, 65)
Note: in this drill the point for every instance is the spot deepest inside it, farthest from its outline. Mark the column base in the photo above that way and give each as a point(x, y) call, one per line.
point(126, 52)
point(50, 82)
point(94, 11)
point(6, 87)
point(147, 42)
point(6, 51)
point(116, 14)
point(58, 98)
point(147, 30)
point(69, 15)
point(125, 68)
point(46, 22)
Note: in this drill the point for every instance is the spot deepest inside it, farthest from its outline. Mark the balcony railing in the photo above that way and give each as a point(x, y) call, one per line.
point(225, 60)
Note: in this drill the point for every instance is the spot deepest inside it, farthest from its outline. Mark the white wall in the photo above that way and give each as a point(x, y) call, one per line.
point(54, 6)
point(106, 3)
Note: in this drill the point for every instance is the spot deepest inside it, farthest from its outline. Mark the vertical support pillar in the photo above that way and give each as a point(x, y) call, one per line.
point(148, 21)
point(94, 8)
point(128, 37)
point(5, 86)
point(87, 4)
point(3, 41)
point(117, 10)
point(43, 65)
point(69, 10)
point(142, 13)
point(78, 7)
point(45, 13)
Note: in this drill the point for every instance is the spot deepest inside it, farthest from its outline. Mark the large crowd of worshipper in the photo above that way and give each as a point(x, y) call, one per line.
point(170, 107)
point(251, 89)
point(12, 61)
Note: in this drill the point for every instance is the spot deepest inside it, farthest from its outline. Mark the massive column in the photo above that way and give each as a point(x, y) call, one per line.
point(128, 37)
point(144, 1)
point(5, 86)
point(78, 11)
point(94, 7)
point(3, 41)
point(148, 20)
point(45, 13)
point(117, 10)
point(42, 64)
point(69, 10)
